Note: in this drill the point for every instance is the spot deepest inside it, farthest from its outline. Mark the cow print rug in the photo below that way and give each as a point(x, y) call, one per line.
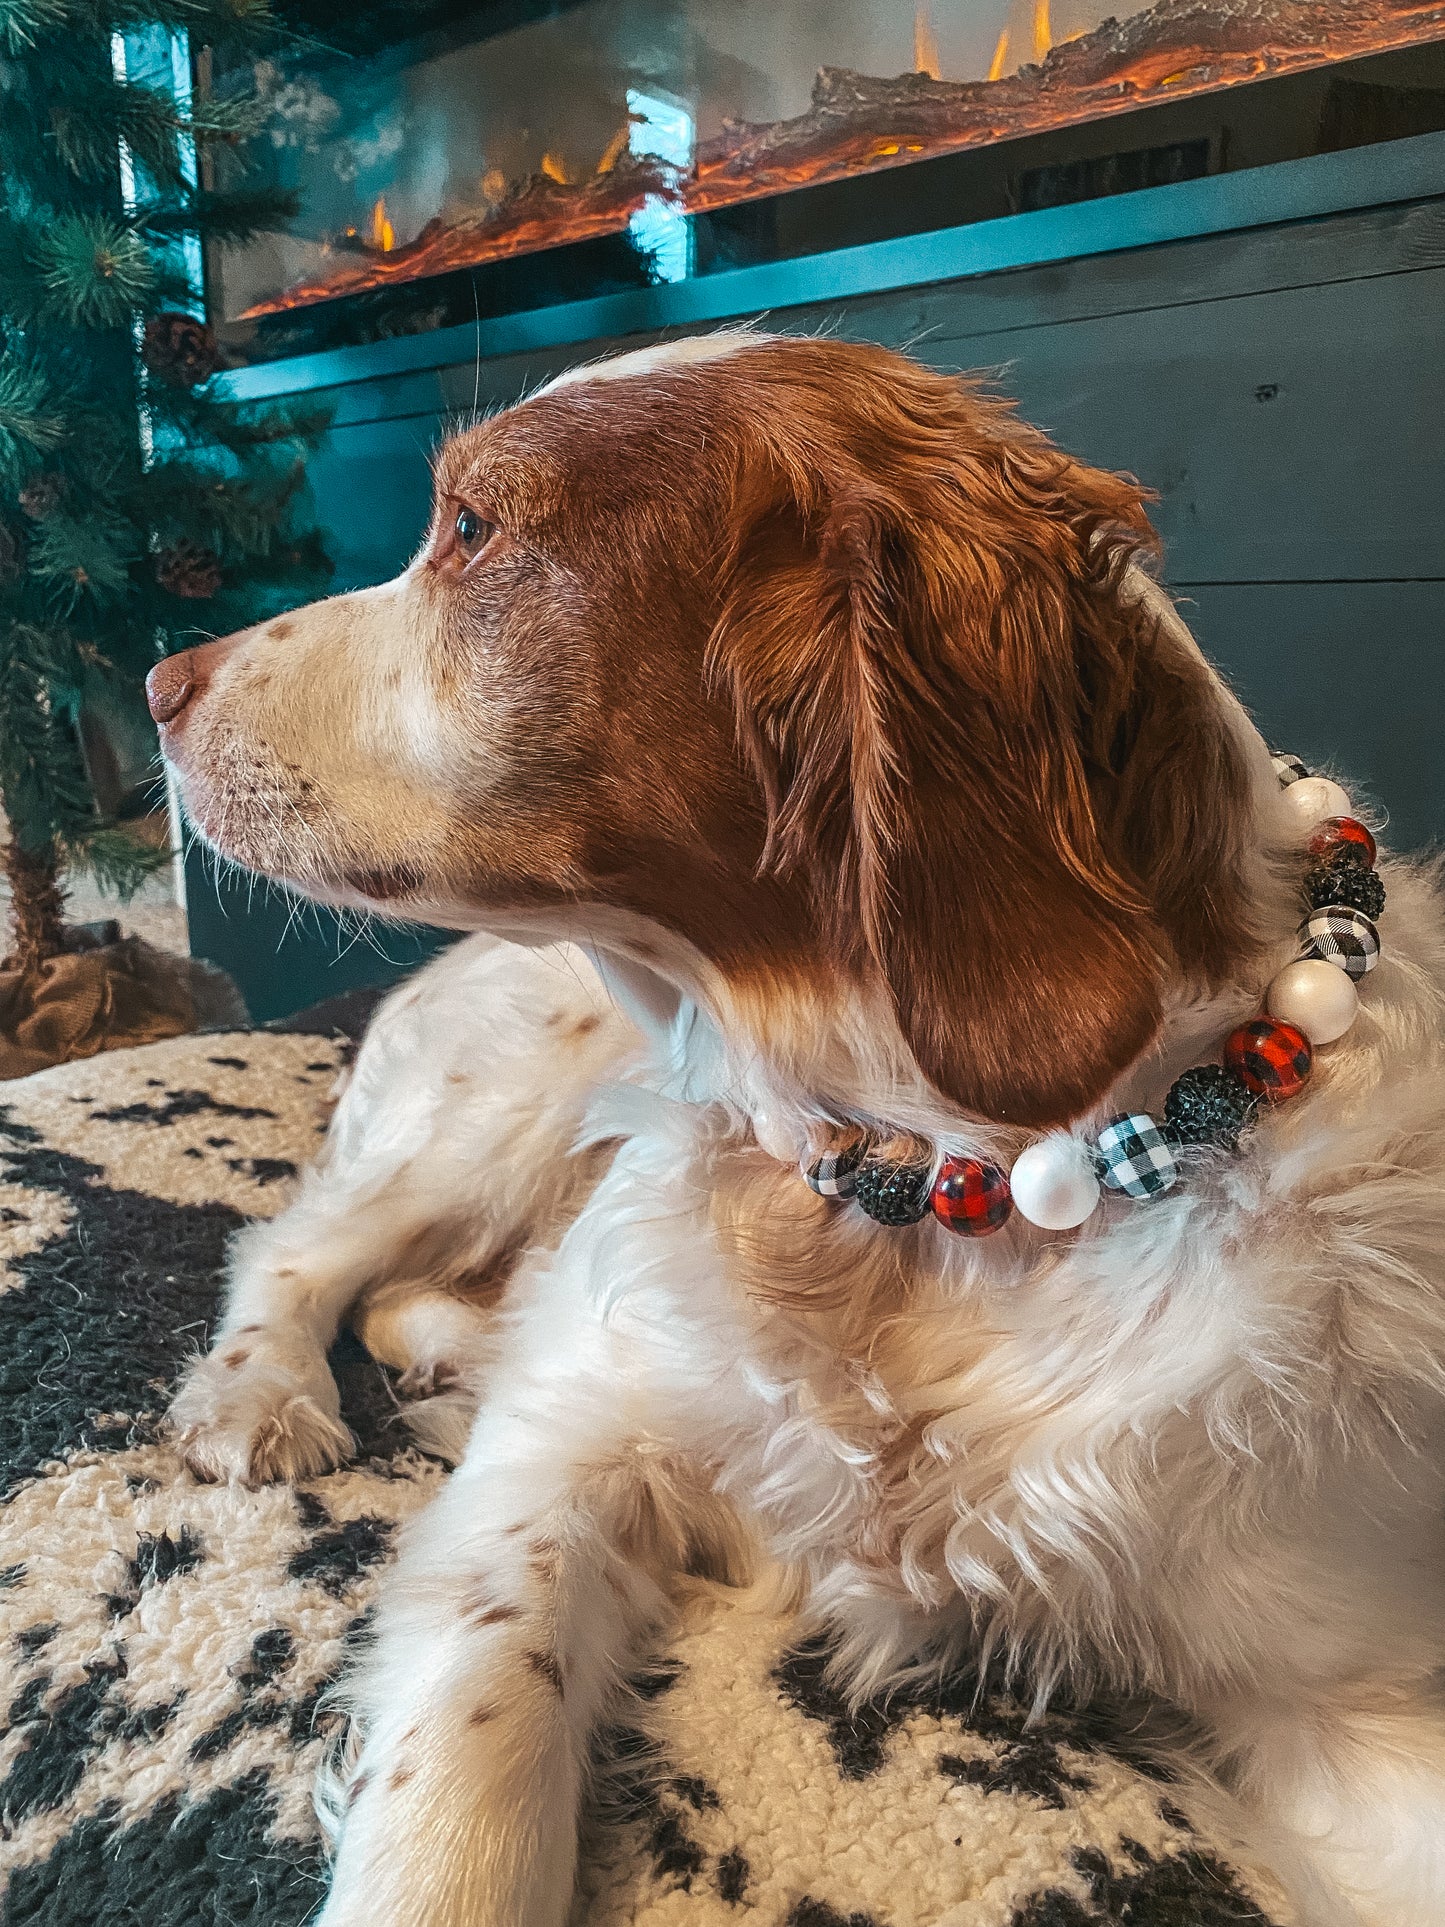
point(166, 1646)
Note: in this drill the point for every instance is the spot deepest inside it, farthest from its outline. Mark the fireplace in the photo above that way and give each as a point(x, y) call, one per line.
point(453, 161)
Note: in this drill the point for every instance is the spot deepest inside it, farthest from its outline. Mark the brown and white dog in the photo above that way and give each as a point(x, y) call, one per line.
point(805, 736)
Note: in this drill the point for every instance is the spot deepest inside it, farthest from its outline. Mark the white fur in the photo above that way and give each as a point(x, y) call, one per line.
point(664, 355)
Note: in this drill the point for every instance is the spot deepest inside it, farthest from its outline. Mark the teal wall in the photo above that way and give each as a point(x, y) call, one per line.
point(282, 964)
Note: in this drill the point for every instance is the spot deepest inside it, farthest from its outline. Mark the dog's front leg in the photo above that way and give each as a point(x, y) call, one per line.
point(517, 1603)
point(262, 1404)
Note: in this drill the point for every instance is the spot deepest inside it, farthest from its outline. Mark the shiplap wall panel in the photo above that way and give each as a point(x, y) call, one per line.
point(1347, 247)
point(1350, 674)
point(1292, 435)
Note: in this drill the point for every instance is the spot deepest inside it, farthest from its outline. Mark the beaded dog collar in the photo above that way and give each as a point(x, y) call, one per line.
point(1056, 1182)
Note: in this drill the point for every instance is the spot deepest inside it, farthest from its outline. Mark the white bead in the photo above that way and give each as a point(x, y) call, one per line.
point(1315, 798)
point(1053, 1183)
point(1315, 997)
point(780, 1139)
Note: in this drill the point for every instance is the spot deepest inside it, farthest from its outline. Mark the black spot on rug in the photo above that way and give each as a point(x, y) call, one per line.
point(103, 1315)
point(182, 1865)
point(1040, 1757)
point(1189, 1889)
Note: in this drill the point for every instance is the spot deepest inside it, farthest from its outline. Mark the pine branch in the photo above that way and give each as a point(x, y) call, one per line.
point(230, 218)
point(227, 118)
point(96, 272)
point(20, 273)
point(291, 428)
point(97, 110)
point(82, 560)
point(247, 516)
point(120, 863)
point(103, 111)
point(44, 787)
point(24, 22)
point(172, 286)
point(214, 23)
point(31, 427)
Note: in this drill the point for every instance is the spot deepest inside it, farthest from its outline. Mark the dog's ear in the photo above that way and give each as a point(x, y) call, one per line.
point(1014, 798)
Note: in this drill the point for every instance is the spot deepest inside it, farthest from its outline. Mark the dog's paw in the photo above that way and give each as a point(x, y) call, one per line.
point(429, 1380)
point(259, 1409)
point(440, 1406)
point(442, 1423)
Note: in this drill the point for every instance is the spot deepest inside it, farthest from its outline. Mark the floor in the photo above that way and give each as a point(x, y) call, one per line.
point(153, 913)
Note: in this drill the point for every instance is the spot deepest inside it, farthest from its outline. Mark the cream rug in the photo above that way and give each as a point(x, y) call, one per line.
point(165, 1644)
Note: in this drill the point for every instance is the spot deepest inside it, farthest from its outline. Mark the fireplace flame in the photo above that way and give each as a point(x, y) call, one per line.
point(555, 170)
point(1043, 32)
point(614, 150)
point(925, 45)
point(383, 234)
point(999, 63)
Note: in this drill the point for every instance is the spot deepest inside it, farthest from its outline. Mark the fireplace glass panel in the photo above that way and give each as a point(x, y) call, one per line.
point(650, 142)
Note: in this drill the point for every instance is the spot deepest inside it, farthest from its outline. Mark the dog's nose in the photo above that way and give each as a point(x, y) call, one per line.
point(170, 686)
point(177, 680)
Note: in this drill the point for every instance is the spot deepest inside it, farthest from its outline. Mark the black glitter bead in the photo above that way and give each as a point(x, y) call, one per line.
point(1345, 880)
point(1208, 1105)
point(893, 1193)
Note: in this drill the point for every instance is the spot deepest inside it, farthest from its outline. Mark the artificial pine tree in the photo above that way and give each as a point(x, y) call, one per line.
point(139, 510)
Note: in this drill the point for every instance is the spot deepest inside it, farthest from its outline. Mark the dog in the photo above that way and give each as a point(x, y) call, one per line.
point(820, 765)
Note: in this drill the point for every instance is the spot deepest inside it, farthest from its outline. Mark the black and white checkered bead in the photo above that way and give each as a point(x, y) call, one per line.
point(835, 1174)
point(1342, 936)
point(1136, 1157)
point(1289, 769)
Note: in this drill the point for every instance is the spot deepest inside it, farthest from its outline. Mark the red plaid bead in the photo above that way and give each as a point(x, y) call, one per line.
point(1271, 1058)
point(1339, 835)
point(971, 1197)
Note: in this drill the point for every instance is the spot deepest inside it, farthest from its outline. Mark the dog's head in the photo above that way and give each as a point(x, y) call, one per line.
point(785, 656)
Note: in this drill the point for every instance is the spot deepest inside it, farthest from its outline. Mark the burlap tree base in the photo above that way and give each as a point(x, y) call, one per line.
point(97, 996)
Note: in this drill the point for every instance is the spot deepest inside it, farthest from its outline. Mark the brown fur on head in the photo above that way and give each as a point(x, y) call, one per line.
point(797, 653)
point(1005, 786)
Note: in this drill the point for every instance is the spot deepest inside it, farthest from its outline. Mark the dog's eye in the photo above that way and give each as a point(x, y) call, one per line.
point(472, 532)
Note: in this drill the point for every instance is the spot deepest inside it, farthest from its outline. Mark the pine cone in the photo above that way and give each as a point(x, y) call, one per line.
point(179, 349)
point(12, 555)
point(186, 569)
point(42, 495)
